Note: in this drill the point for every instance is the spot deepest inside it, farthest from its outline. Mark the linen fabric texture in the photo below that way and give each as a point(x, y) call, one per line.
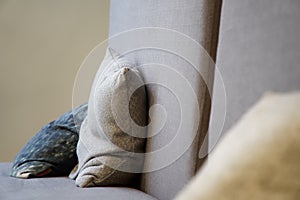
point(112, 137)
point(198, 20)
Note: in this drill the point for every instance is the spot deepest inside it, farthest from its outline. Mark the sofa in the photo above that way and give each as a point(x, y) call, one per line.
point(225, 54)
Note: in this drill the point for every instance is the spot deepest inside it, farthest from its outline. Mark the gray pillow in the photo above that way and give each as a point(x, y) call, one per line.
point(112, 137)
point(52, 151)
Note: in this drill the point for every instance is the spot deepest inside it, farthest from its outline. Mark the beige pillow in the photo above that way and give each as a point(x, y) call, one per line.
point(112, 137)
point(259, 158)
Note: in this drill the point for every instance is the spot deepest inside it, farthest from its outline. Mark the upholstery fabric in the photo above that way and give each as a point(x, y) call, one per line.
point(59, 189)
point(258, 51)
point(112, 138)
point(258, 158)
point(52, 151)
point(197, 20)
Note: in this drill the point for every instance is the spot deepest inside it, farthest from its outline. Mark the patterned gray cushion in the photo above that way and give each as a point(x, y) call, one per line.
point(52, 151)
point(113, 131)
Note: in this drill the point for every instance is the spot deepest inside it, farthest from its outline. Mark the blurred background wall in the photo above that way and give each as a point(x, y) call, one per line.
point(42, 44)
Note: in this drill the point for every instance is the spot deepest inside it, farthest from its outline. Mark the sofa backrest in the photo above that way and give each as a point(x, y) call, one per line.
point(173, 57)
point(258, 51)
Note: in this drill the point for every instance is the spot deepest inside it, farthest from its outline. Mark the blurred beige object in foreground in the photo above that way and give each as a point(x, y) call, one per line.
point(258, 158)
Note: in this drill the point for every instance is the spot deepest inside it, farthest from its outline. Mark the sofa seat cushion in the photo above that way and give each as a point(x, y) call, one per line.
point(58, 189)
